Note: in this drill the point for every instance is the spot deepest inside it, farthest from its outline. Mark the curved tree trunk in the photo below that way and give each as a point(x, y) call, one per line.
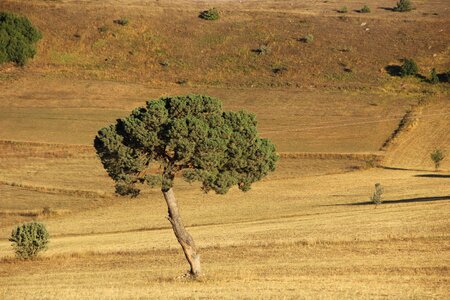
point(184, 238)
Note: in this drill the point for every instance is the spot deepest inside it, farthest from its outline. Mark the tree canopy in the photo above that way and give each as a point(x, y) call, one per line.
point(190, 135)
point(17, 39)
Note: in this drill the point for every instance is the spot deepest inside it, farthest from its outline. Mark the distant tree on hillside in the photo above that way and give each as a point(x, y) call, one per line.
point(408, 68)
point(17, 39)
point(403, 6)
point(437, 156)
point(188, 135)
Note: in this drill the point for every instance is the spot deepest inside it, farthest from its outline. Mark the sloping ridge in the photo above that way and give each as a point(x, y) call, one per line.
point(424, 128)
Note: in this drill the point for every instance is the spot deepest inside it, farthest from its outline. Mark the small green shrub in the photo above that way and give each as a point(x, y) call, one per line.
point(210, 14)
point(403, 6)
point(263, 49)
point(376, 197)
point(17, 39)
point(365, 9)
point(343, 10)
point(309, 38)
point(103, 29)
point(29, 239)
point(121, 21)
point(279, 69)
point(437, 156)
point(434, 76)
point(408, 68)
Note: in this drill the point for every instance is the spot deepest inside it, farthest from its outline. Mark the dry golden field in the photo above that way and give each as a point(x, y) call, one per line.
point(307, 231)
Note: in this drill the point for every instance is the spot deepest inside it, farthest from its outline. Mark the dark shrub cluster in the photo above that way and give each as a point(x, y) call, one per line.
point(17, 39)
point(210, 14)
point(408, 68)
point(403, 6)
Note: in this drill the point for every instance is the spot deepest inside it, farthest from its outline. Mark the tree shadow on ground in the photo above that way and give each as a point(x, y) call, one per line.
point(393, 70)
point(433, 175)
point(408, 200)
point(387, 8)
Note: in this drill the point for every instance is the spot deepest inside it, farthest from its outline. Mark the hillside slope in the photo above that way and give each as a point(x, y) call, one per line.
point(166, 43)
point(432, 130)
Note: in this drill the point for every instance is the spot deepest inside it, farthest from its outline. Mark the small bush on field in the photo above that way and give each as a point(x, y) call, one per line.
point(403, 6)
point(437, 156)
point(263, 49)
point(29, 239)
point(121, 21)
point(409, 68)
point(210, 14)
point(103, 29)
point(279, 69)
point(17, 39)
point(434, 77)
point(365, 9)
point(376, 197)
point(343, 10)
point(309, 38)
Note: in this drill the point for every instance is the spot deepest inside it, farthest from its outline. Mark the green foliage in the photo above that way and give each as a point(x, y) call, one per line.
point(433, 76)
point(263, 49)
point(343, 10)
point(403, 6)
point(210, 14)
point(190, 135)
point(121, 21)
point(279, 69)
point(309, 38)
point(365, 9)
point(17, 39)
point(29, 239)
point(437, 156)
point(103, 29)
point(408, 68)
point(376, 197)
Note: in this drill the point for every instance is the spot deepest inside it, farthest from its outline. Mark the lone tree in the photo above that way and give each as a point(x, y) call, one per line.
point(437, 156)
point(188, 135)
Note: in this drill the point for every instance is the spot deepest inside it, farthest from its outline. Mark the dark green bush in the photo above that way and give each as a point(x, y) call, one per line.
point(403, 6)
point(121, 21)
point(408, 68)
point(17, 39)
point(434, 78)
point(29, 239)
point(365, 9)
point(343, 10)
point(210, 14)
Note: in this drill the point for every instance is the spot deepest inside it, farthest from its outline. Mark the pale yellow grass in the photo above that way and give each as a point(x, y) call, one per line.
point(288, 238)
point(431, 131)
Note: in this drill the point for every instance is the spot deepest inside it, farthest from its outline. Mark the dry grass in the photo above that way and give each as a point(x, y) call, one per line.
point(305, 231)
point(220, 53)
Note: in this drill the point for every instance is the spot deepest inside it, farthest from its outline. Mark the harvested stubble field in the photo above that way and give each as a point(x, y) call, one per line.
point(307, 230)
